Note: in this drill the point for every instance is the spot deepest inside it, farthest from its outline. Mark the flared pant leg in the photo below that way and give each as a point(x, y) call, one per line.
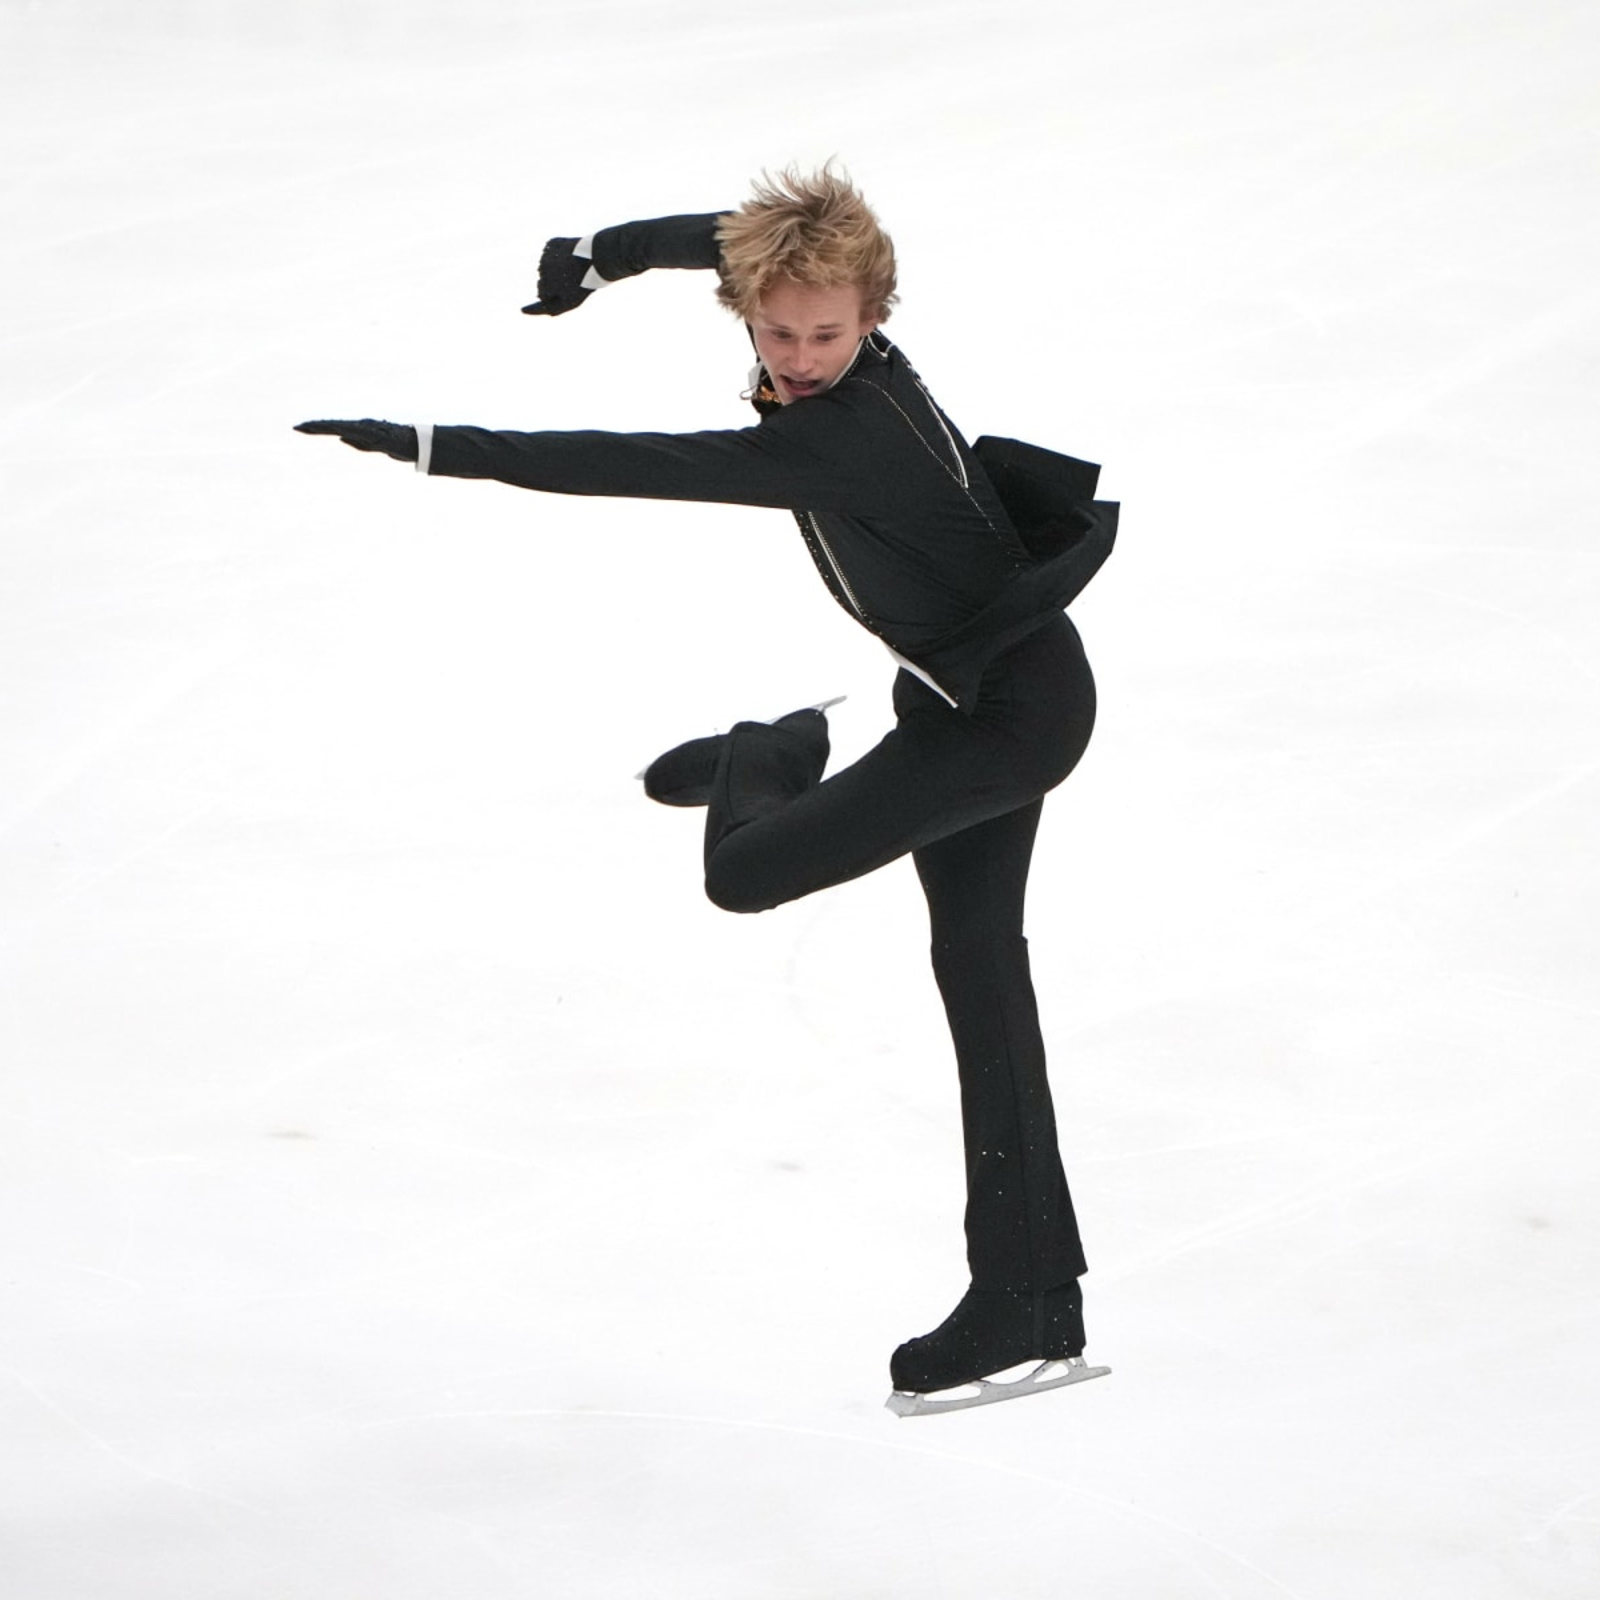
point(1022, 1233)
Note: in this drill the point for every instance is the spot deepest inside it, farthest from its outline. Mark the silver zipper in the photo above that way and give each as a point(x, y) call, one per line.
point(844, 583)
point(960, 473)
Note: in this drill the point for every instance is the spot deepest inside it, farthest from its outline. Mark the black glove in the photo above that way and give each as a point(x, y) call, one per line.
point(561, 275)
point(397, 439)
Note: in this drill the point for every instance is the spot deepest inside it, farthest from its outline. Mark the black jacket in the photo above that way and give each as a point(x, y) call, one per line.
point(948, 553)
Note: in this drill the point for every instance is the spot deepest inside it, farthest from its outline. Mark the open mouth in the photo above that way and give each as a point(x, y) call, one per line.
point(799, 387)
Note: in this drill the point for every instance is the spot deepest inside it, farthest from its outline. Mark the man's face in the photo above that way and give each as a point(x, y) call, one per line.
point(807, 337)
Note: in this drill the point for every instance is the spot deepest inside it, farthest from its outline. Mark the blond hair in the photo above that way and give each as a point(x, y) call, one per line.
point(814, 229)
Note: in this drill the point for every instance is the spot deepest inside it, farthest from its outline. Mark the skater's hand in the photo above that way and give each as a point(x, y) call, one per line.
point(566, 279)
point(397, 439)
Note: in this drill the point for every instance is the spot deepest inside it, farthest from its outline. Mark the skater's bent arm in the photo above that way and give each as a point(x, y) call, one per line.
point(570, 270)
point(629, 248)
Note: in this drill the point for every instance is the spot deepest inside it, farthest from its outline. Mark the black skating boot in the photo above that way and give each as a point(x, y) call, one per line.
point(990, 1330)
point(682, 777)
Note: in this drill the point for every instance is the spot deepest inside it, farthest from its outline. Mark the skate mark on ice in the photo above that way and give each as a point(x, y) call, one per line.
point(1561, 641)
point(113, 731)
point(1303, 1200)
point(1401, 403)
point(1455, 841)
point(1550, 1002)
point(105, 1446)
point(1564, 1513)
point(1133, 1513)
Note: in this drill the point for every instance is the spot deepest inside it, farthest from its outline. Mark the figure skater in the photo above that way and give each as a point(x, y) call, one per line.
point(961, 559)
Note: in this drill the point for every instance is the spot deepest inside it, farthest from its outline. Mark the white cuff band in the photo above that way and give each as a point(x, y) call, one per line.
point(424, 446)
point(585, 248)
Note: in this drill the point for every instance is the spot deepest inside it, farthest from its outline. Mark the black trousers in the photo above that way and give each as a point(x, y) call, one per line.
point(963, 794)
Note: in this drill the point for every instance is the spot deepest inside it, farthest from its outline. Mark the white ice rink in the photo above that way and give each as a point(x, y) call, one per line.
point(412, 1189)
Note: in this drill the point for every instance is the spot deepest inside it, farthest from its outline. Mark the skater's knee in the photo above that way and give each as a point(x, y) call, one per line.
point(732, 890)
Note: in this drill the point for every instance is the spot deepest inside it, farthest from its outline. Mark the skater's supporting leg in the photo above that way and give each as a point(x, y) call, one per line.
point(1022, 1234)
point(963, 794)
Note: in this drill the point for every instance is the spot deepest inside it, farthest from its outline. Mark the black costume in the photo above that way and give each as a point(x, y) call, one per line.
point(961, 559)
point(901, 517)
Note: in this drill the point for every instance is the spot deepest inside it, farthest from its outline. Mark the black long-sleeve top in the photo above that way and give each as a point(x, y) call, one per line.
point(906, 526)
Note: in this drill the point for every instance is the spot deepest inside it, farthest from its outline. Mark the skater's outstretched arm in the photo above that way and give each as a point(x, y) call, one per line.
point(843, 451)
point(570, 270)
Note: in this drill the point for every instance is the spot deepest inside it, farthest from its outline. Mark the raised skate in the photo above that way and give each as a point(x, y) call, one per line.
point(682, 777)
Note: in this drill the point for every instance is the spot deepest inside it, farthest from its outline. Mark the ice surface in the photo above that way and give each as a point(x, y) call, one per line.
point(414, 1188)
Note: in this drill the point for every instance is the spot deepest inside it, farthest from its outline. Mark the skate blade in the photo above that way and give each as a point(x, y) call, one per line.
point(1047, 1375)
point(824, 705)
